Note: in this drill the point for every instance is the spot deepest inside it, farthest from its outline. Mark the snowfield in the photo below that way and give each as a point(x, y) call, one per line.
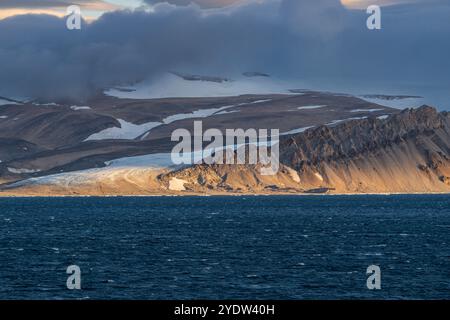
point(132, 131)
point(400, 103)
point(204, 113)
point(156, 160)
point(172, 86)
point(5, 102)
point(115, 169)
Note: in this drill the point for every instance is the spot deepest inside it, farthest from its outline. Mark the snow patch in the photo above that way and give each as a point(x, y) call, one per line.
point(366, 110)
point(22, 171)
point(51, 104)
point(202, 113)
point(310, 107)
point(226, 112)
point(77, 108)
point(344, 120)
point(127, 131)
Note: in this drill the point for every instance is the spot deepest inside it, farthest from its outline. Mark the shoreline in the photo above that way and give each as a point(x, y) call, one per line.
point(228, 195)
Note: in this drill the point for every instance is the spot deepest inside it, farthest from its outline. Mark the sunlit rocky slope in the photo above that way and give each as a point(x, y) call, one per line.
point(406, 153)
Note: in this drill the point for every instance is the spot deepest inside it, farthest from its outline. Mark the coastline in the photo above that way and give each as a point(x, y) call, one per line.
point(222, 195)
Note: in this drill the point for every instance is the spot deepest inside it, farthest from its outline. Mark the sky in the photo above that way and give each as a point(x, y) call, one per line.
point(92, 9)
point(321, 42)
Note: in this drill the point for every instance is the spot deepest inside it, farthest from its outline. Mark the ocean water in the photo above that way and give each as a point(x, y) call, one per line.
point(278, 247)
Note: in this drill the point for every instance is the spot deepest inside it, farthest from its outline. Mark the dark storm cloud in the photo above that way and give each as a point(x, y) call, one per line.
point(303, 39)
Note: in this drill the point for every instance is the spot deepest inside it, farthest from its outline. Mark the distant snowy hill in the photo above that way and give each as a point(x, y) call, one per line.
point(173, 85)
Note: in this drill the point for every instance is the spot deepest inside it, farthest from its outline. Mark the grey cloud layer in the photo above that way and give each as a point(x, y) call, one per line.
point(303, 39)
point(200, 3)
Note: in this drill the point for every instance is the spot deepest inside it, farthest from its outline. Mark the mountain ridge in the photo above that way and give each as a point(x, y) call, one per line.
point(407, 152)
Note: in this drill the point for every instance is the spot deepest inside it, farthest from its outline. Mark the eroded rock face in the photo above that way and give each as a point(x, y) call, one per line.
point(355, 138)
point(408, 152)
point(233, 178)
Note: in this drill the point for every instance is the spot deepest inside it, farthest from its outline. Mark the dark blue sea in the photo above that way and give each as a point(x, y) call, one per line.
point(277, 247)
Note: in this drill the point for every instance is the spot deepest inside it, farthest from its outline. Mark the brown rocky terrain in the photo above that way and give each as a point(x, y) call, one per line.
point(40, 138)
point(407, 152)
